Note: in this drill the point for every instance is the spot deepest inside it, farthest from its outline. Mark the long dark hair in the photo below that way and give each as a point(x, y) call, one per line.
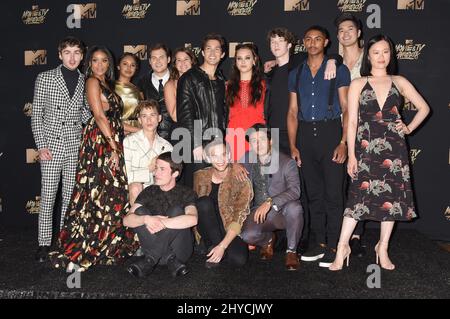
point(174, 74)
point(134, 57)
point(109, 76)
point(256, 81)
point(366, 66)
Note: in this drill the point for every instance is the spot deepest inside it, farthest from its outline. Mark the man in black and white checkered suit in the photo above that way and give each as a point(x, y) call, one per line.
point(57, 116)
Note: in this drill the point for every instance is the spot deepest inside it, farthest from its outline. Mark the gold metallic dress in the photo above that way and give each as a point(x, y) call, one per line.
point(130, 95)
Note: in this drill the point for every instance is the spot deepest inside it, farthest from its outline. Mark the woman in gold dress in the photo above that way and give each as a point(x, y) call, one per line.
point(129, 93)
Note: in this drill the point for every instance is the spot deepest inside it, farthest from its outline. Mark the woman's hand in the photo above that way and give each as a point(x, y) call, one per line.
point(114, 161)
point(352, 166)
point(402, 127)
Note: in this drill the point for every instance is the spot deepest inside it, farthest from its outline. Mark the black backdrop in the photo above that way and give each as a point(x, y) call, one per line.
point(420, 29)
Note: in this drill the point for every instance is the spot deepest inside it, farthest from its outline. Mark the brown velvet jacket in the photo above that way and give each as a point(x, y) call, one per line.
point(234, 197)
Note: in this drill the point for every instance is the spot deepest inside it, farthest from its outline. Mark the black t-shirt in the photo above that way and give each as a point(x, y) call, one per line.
point(279, 98)
point(218, 86)
point(158, 202)
point(214, 195)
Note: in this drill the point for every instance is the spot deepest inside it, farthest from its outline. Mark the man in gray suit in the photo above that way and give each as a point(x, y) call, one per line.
point(56, 120)
point(276, 198)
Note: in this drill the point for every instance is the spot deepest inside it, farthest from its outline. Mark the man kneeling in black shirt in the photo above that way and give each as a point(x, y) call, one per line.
point(162, 217)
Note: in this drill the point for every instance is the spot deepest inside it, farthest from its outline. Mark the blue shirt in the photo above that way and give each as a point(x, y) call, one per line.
point(314, 92)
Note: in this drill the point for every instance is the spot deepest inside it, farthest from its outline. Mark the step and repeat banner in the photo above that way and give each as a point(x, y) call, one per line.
point(31, 31)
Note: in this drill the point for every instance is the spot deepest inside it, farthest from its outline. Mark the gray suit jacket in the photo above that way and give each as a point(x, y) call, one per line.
point(284, 184)
point(56, 119)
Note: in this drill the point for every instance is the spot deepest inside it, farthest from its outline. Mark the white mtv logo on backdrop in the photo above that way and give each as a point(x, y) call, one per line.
point(78, 12)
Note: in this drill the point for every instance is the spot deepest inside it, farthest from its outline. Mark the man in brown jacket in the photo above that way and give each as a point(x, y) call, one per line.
point(223, 205)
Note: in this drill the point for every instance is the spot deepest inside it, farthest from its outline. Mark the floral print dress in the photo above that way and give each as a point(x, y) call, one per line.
point(381, 190)
point(93, 232)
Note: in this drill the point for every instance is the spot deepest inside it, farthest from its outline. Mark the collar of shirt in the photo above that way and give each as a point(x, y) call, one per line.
point(155, 79)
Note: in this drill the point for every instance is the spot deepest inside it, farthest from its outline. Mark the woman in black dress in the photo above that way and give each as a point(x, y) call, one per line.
point(93, 232)
point(378, 160)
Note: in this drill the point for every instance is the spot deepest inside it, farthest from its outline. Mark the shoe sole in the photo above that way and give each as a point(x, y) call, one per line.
point(312, 258)
point(325, 265)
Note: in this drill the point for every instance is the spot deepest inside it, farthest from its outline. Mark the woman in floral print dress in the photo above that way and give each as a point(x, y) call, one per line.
point(378, 163)
point(93, 232)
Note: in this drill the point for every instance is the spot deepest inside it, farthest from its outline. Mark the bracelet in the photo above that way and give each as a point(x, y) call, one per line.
point(115, 150)
point(109, 138)
point(222, 246)
point(343, 142)
point(269, 200)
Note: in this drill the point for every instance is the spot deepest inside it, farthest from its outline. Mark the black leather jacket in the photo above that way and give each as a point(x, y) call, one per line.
point(150, 92)
point(199, 98)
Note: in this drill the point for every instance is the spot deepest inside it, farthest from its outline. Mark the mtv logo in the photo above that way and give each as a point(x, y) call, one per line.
point(32, 156)
point(27, 109)
point(188, 7)
point(296, 5)
point(232, 48)
point(35, 57)
point(410, 4)
point(195, 50)
point(87, 10)
point(139, 50)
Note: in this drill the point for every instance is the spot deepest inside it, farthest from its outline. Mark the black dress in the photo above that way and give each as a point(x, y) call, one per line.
point(93, 232)
point(382, 189)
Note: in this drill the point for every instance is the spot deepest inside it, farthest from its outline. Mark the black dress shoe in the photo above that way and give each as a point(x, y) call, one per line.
point(176, 267)
point(42, 254)
point(357, 248)
point(142, 268)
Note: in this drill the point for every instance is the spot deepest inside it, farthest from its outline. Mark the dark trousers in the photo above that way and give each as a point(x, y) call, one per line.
point(323, 178)
point(161, 245)
point(284, 148)
point(290, 218)
point(210, 226)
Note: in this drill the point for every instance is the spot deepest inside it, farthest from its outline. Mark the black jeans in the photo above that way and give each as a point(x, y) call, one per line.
point(161, 245)
point(210, 227)
point(324, 179)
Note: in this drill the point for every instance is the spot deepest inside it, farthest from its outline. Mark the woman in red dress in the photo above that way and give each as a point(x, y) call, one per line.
point(245, 97)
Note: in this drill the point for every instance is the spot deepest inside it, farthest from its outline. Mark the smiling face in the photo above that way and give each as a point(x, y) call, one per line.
point(99, 63)
point(159, 61)
point(218, 157)
point(348, 33)
point(71, 57)
point(127, 67)
point(212, 52)
point(279, 46)
point(183, 62)
point(245, 60)
point(260, 143)
point(149, 119)
point(315, 42)
point(380, 55)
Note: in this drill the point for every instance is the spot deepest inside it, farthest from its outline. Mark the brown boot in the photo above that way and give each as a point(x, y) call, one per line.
point(267, 250)
point(292, 262)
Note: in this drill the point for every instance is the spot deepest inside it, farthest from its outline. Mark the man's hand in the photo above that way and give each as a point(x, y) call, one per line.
point(261, 212)
point(216, 254)
point(198, 153)
point(268, 66)
point(340, 154)
point(45, 154)
point(330, 70)
point(154, 224)
point(295, 155)
point(240, 172)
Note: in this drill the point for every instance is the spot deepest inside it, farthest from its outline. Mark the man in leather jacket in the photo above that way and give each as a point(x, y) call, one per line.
point(201, 103)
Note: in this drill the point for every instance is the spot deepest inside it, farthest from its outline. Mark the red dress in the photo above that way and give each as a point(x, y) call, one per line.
point(242, 116)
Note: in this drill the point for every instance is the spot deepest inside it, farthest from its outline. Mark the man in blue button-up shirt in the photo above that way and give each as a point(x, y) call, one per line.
point(315, 129)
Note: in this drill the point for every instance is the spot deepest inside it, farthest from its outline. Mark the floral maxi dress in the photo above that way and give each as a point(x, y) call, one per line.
point(93, 232)
point(381, 190)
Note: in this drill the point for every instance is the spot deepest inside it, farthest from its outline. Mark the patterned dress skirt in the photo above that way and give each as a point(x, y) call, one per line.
point(93, 232)
point(382, 189)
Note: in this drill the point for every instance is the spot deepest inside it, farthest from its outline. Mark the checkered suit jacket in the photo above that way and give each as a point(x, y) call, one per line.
point(56, 118)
